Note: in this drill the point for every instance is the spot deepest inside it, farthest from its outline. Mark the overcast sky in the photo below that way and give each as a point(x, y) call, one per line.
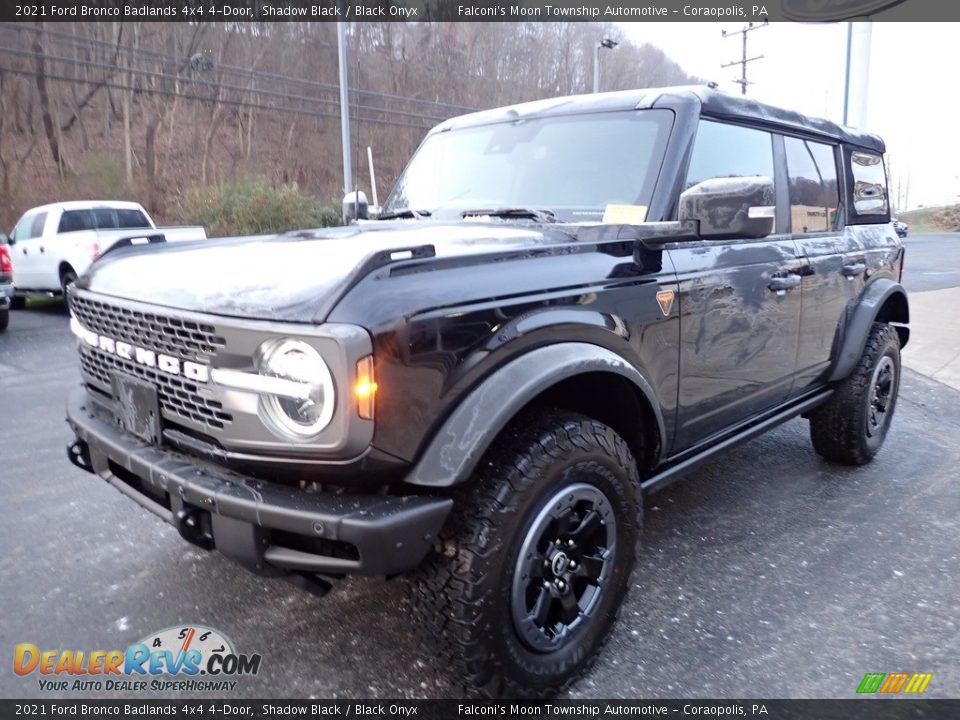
point(912, 101)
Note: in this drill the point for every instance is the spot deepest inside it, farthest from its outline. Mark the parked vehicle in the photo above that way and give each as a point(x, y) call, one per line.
point(901, 227)
point(53, 244)
point(6, 282)
point(564, 306)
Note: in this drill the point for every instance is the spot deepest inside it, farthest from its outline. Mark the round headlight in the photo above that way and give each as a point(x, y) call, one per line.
point(297, 415)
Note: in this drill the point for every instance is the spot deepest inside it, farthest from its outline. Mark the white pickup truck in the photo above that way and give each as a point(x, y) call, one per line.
point(53, 244)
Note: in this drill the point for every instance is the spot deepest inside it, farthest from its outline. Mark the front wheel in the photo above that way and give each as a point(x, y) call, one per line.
point(852, 425)
point(67, 278)
point(532, 568)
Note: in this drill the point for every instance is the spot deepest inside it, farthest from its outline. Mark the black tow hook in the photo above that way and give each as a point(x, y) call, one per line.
point(193, 525)
point(79, 454)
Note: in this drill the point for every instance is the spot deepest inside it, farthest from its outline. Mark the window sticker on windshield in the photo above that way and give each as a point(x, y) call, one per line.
point(625, 214)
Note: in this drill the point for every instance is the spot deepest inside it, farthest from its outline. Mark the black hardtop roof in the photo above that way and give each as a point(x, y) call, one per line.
point(713, 103)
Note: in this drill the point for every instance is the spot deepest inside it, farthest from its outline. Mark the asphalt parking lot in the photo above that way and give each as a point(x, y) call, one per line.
point(767, 573)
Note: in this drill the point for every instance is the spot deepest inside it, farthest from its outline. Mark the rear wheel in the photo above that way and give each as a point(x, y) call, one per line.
point(534, 564)
point(852, 425)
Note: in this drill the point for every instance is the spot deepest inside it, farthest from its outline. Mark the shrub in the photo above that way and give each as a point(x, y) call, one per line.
point(252, 206)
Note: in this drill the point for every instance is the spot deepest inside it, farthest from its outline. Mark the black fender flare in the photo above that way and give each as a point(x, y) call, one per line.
point(465, 435)
point(859, 318)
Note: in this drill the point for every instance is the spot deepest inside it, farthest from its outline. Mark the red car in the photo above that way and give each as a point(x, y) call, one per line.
point(6, 283)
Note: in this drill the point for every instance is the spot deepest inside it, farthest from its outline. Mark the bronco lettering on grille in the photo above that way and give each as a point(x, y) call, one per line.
point(167, 363)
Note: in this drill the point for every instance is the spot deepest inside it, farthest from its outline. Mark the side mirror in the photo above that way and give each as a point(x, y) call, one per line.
point(729, 208)
point(354, 207)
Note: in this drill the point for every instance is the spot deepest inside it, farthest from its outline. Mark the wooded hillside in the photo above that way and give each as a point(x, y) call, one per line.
point(174, 114)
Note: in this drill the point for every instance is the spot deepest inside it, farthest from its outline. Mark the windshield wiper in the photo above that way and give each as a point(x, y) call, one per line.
point(405, 213)
point(544, 216)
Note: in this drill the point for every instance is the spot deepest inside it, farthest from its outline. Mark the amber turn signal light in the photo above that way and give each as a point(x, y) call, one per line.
point(365, 388)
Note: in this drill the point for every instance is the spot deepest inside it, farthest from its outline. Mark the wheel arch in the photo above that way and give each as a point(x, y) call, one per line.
point(884, 301)
point(579, 377)
point(63, 267)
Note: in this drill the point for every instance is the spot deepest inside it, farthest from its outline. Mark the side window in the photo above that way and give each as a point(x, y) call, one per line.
point(36, 227)
point(869, 184)
point(128, 218)
point(24, 228)
point(814, 191)
point(73, 220)
point(106, 218)
point(721, 151)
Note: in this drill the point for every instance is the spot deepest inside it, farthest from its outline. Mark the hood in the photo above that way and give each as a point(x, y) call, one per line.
point(297, 276)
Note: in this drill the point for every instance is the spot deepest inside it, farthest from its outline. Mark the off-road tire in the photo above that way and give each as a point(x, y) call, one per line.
point(841, 429)
point(4, 319)
point(463, 593)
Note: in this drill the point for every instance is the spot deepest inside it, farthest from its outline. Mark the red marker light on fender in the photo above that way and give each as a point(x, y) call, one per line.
point(365, 388)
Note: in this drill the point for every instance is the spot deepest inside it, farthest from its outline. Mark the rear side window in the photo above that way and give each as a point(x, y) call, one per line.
point(74, 220)
point(814, 191)
point(725, 151)
point(128, 218)
point(106, 218)
point(869, 184)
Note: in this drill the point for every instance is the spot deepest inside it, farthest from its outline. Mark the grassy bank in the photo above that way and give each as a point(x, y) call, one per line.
point(933, 219)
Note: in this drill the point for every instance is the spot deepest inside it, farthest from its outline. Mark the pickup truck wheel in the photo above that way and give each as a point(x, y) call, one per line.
point(4, 319)
point(531, 569)
point(67, 278)
point(18, 302)
point(851, 426)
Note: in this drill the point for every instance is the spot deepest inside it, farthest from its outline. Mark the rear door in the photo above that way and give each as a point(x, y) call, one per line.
point(739, 300)
point(834, 273)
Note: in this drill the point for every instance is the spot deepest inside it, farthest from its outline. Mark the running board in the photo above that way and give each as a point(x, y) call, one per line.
point(681, 467)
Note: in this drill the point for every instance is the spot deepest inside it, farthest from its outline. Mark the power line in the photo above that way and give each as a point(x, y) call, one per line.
point(224, 101)
point(201, 82)
point(91, 44)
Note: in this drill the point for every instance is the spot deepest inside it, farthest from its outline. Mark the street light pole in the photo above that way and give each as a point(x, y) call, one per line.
point(344, 106)
point(609, 45)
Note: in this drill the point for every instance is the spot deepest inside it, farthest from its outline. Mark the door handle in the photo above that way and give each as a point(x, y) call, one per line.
point(41, 248)
point(853, 269)
point(783, 283)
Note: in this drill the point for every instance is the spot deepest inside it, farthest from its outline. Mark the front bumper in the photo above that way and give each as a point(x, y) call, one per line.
point(6, 295)
point(268, 527)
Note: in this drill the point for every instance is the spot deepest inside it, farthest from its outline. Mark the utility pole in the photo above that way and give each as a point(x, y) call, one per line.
point(344, 106)
point(743, 82)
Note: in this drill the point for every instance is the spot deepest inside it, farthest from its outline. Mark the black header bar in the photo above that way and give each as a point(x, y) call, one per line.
point(479, 10)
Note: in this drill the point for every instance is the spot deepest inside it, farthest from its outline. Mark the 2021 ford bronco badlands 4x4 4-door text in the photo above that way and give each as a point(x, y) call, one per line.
point(562, 306)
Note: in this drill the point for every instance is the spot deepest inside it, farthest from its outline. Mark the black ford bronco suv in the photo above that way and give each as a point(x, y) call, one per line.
point(562, 306)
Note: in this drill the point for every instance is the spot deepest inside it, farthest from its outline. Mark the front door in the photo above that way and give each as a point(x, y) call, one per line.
point(28, 260)
point(739, 302)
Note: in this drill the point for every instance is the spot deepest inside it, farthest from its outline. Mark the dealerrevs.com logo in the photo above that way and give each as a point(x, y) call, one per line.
point(181, 658)
point(834, 10)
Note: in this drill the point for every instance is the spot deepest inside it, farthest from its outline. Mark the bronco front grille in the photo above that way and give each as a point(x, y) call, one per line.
point(179, 398)
point(155, 331)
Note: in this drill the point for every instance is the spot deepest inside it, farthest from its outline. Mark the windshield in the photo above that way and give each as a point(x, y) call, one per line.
point(575, 166)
